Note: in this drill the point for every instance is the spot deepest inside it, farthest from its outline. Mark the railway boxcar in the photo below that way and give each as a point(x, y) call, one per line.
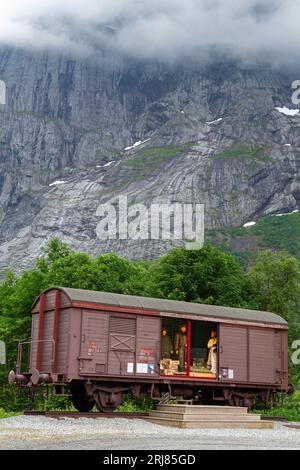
point(99, 347)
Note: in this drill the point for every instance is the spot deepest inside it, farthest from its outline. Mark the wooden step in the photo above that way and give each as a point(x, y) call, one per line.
point(207, 416)
point(205, 424)
point(215, 416)
point(200, 409)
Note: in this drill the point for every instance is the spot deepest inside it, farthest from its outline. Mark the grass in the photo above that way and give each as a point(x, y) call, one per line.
point(161, 151)
point(289, 408)
point(269, 232)
point(134, 405)
point(245, 152)
point(7, 414)
point(152, 158)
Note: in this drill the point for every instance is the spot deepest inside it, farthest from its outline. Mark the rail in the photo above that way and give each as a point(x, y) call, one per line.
point(126, 415)
point(91, 414)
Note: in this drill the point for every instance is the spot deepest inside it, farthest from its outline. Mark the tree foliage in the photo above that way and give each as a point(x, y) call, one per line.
point(204, 276)
point(274, 282)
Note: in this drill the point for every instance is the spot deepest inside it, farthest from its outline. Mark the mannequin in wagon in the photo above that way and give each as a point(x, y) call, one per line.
point(166, 345)
point(212, 355)
point(181, 348)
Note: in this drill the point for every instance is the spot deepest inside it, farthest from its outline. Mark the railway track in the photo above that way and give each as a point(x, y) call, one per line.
point(282, 420)
point(273, 418)
point(99, 415)
point(77, 414)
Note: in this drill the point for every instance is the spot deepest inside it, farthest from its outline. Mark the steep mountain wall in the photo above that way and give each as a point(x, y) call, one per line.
point(209, 133)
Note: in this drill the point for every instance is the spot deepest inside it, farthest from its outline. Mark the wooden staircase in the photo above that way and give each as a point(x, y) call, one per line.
point(200, 416)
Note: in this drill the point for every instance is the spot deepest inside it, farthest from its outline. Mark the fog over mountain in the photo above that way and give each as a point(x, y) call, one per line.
point(167, 29)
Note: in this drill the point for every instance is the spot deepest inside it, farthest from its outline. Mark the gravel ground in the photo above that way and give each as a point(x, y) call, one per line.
point(38, 432)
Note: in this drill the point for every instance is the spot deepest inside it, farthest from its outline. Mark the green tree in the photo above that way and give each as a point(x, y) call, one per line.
point(274, 282)
point(207, 275)
point(17, 296)
point(61, 266)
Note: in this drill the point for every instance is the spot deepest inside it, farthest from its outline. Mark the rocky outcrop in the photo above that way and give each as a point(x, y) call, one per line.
point(207, 133)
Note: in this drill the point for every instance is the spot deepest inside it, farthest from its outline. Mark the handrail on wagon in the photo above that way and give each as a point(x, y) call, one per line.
point(20, 352)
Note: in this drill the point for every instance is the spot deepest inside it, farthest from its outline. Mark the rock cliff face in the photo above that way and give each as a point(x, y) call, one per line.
point(208, 133)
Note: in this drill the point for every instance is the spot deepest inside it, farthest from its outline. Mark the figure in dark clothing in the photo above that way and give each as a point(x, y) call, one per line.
point(166, 345)
point(181, 348)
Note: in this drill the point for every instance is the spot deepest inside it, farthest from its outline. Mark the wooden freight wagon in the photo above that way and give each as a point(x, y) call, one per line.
point(101, 346)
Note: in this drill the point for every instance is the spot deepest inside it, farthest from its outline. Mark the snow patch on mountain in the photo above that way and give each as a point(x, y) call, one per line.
point(287, 111)
point(249, 224)
point(215, 121)
point(136, 144)
point(286, 213)
point(57, 183)
point(106, 164)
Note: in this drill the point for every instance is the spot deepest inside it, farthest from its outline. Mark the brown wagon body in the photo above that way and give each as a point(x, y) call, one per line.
point(104, 345)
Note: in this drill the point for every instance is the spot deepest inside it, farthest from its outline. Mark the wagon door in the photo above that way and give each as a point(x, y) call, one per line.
point(281, 358)
point(261, 356)
point(122, 338)
point(94, 343)
point(148, 346)
point(233, 349)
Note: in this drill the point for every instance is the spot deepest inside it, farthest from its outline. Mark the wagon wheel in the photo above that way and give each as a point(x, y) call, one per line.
point(244, 402)
point(231, 401)
point(235, 400)
point(107, 402)
point(248, 402)
point(81, 401)
point(82, 404)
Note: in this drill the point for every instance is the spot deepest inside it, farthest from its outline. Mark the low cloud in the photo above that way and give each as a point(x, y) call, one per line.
point(155, 29)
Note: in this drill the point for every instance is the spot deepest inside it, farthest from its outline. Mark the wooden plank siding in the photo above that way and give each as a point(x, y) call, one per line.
point(233, 351)
point(261, 356)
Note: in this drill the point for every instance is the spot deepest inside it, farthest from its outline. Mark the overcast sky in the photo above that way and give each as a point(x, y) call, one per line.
point(154, 28)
